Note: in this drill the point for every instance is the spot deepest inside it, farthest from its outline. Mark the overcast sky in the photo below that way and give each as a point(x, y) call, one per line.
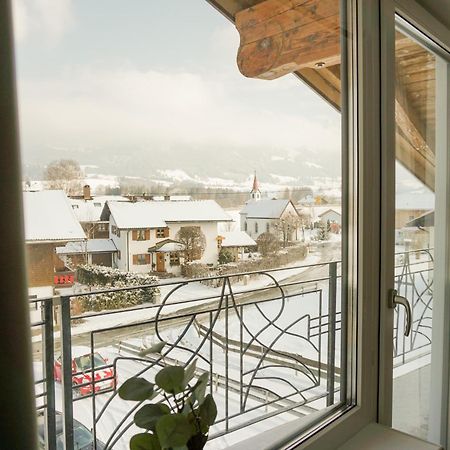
point(110, 74)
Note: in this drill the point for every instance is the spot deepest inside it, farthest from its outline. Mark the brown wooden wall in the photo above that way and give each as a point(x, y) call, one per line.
point(40, 264)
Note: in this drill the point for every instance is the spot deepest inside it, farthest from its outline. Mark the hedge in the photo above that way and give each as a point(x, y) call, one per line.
point(99, 277)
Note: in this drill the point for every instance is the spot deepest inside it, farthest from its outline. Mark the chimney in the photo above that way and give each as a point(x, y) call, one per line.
point(87, 192)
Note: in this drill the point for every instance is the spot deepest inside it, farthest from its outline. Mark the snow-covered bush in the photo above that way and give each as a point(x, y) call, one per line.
point(100, 277)
point(195, 270)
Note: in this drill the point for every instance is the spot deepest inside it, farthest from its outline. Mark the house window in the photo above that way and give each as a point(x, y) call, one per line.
point(140, 235)
point(97, 205)
point(174, 259)
point(256, 227)
point(113, 229)
point(161, 233)
point(245, 226)
point(141, 259)
point(267, 227)
point(102, 227)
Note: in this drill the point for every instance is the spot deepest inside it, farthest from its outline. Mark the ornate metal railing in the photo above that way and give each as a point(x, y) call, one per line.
point(414, 281)
point(269, 348)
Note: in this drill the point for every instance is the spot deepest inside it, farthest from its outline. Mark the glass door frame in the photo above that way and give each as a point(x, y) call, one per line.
point(439, 37)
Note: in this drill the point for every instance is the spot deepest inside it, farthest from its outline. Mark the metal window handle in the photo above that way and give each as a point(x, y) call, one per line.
point(394, 300)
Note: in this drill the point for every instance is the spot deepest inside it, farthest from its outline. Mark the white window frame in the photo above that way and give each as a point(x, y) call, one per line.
point(428, 25)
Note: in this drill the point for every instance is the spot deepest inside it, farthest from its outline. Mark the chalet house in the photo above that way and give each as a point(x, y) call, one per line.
point(49, 222)
point(145, 233)
point(88, 210)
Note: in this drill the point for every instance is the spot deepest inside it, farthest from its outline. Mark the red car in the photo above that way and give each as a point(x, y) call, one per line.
point(105, 377)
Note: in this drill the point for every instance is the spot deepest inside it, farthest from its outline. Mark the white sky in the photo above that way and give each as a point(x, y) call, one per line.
point(109, 74)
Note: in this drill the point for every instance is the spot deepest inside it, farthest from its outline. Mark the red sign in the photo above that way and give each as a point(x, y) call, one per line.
point(63, 279)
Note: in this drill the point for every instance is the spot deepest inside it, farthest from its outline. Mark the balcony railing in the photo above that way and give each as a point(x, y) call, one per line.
point(270, 342)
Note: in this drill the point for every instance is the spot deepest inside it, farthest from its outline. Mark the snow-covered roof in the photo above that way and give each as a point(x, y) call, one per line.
point(236, 239)
point(49, 217)
point(91, 210)
point(265, 208)
point(150, 214)
point(335, 209)
point(173, 198)
point(93, 246)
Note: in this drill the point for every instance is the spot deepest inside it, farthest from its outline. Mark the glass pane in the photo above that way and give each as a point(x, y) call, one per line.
point(149, 159)
point(415, 239)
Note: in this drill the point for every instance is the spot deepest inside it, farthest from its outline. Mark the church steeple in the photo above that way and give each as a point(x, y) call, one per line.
point(255, 192)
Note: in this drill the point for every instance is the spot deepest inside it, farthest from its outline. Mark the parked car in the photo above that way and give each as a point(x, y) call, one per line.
point(81, 368)
point(82, 437)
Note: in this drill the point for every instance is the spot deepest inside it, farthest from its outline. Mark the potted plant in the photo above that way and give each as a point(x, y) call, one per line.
point(181, 414)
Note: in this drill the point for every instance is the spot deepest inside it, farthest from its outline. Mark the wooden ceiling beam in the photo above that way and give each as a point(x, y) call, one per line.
point(283, 36)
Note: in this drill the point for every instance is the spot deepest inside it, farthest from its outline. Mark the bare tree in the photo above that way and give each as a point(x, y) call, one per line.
point(64, 174)
point(268, 243)
point(194, 242)
point(287, 227)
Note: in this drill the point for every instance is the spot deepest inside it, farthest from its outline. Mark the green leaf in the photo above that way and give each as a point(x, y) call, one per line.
point(148, 415)
point(136, 389)
point(171, 379)
point(200, 388)
point(207, 413)
point(144, 441)
point(190, 372)
point(157, 348)
point(173, 430)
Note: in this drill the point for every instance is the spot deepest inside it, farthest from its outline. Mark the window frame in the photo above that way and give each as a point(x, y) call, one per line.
point(428, 25)
point(362, 257)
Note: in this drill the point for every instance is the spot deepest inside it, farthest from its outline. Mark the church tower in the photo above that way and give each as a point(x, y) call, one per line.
point(255, 192)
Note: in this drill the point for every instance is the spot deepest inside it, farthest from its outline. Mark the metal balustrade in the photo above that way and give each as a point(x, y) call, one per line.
point(271, 348)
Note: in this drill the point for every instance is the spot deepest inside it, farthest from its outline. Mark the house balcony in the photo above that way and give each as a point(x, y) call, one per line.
point(269, 341)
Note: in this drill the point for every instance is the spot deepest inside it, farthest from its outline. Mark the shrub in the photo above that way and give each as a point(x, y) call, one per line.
point(99, 277)
point(225, 256)
point(268, 243)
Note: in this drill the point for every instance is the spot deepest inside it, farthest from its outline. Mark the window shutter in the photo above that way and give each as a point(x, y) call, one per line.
point(134, 236)
point(147, 257)
point(135, 258)
point(166, 232)
point(147, 235)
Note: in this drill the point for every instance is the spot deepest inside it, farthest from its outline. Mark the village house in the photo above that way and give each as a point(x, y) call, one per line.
point(88, 209)
point(49, 222)
point(147, 233)
point(261, 215)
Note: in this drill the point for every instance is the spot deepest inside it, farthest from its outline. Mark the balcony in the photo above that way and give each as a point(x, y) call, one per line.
point(270, 342)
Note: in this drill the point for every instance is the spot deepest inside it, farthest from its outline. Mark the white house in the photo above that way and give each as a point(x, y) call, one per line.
point(145, 233)
point(331, 215)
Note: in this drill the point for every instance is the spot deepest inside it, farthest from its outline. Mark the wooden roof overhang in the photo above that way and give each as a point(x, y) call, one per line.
point(303, 37)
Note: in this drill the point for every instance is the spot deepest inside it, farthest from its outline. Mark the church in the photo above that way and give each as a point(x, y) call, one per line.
point(269, 215)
